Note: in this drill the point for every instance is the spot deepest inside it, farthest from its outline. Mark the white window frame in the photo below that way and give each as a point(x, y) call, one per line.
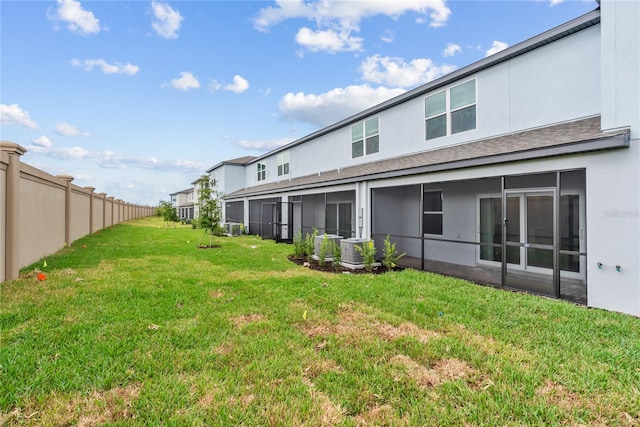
point(449, 111)
point(364, 138)
point(283, 164)
point(261, 172)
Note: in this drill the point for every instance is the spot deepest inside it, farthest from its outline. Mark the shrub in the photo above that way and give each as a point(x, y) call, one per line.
point(326, 249)
point(368, 252)
point(390, 256)
point(336, 254)
point(299, 245)
point(309, 244)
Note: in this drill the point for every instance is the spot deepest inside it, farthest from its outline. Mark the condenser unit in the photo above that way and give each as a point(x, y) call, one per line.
point(350, 254)
point(317, 243)
point(232, 229)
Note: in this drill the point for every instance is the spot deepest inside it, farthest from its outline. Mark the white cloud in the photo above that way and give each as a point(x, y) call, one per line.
point(116, 68)
point(328, 40)
point(42, 141)
point(336, 20)
point(186, 81)
point(397, 72)
point(451, 50)
point(239, 85)
point(78, 20)
point(388, 36)
point(167, 20)
point(263, 146)
point(337, 104)
point(496, 47)
point(14, 115)
point(112, 160)
point(66, 129)
point(349, 13)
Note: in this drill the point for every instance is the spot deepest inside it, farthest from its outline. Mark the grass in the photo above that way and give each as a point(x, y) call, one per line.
point(136, 326)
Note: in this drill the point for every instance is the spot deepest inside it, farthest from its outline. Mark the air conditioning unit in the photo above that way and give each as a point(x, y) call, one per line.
point(317, 243)
point(350, 254)
point(232, 228)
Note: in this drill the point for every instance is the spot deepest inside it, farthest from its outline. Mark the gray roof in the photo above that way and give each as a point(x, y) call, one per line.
point(560, 139)
point(188, 190)
point(575, 25)
point(240, 161)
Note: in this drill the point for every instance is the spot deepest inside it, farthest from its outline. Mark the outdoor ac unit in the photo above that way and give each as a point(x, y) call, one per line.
point(319, 239)
point(232, 229)
point(350, 255)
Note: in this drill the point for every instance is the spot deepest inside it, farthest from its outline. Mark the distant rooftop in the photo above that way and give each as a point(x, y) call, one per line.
point(240, 161)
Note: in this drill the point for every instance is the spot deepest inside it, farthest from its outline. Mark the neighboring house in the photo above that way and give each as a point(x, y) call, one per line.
point(520, 170)
point(228, 177)
point(183, 202)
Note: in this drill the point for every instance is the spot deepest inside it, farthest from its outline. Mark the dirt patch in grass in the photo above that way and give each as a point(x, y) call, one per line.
point(379, 415)
point(443, 370)
point(216, 294)
point(241, 321)
point(224, 349)
point(100, 407)
point(328, 412)
point(319, 367)
point(355, 324)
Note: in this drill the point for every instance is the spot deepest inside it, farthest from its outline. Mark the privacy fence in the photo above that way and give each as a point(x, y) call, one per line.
point(42, 213)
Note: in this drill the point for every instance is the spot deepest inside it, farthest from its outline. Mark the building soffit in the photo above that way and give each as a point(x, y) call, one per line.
point(579, 136)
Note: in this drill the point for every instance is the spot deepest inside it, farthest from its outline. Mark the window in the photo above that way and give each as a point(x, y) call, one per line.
point(436, 115)
point(365, 138)
point(447, 116)
point(432, 212)
point(463, 107)
point(283, 164)
point(262, 172)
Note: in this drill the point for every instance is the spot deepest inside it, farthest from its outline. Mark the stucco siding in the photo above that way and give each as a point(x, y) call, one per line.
point(40, 234)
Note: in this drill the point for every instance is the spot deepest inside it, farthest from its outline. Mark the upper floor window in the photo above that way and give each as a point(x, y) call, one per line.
point(448, 115)
point(262, 172)
point(283, 164)
point(365, 138)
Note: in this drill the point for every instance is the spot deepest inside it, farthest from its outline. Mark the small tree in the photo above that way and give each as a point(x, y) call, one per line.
point(368, 252)
point(209, 208)
point(299, 245)
point(390, 256)
point(167, 212)
point(336, 251)
point(325, 249)
point(309, 243)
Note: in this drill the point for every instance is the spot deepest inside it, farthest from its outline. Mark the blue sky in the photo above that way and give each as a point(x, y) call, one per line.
point(139, 98)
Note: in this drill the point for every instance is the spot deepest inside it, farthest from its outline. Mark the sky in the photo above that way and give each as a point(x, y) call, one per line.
point(139, 98)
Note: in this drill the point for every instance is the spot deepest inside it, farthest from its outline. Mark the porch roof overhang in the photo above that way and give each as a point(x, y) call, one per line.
point(580, 136)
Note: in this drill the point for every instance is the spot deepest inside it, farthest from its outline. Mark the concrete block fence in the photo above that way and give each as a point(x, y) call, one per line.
point(41, 213)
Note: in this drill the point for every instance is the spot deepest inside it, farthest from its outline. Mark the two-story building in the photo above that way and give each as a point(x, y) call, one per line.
point(183, 202)
point(520, 170)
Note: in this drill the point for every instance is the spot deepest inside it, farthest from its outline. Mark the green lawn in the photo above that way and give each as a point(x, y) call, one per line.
point(136, 326)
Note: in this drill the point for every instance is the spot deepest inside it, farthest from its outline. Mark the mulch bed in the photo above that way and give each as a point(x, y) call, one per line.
point(328, 267)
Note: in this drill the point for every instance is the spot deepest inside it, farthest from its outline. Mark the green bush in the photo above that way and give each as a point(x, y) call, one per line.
point(326, 249)
point(336, 254)
point(368, 251)
point(299, 245)
point(310, 244)
point(390, 256)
